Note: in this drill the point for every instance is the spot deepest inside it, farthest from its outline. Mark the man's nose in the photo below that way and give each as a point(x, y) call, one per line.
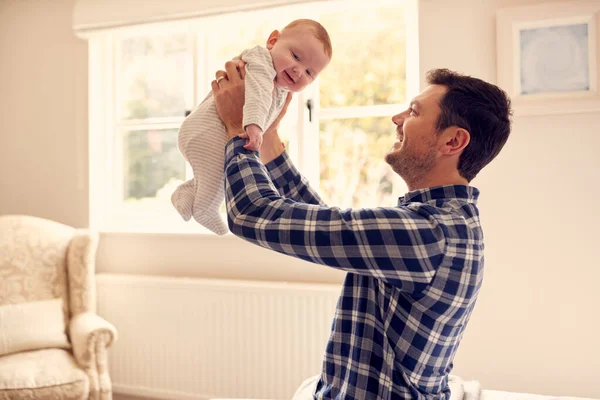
point(398, 119)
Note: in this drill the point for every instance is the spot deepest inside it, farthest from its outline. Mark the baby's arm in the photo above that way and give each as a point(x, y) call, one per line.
point(259, 94)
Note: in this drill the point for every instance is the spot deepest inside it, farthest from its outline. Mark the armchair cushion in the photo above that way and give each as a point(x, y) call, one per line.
point(33, 253)
point(32, 326)
point(42, 374)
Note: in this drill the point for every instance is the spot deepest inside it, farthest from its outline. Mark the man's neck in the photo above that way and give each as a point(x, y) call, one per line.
point(432, 181)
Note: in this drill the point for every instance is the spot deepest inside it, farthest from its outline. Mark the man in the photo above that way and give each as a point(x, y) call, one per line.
point(414, 270)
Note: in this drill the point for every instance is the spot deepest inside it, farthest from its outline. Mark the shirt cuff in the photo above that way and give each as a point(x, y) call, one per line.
point(235, 147)
point(282, 170)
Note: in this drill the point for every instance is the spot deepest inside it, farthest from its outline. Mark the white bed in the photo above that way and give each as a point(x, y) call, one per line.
point(461, 390)
point(500, 395)
point(497, 395)
point(472, 390)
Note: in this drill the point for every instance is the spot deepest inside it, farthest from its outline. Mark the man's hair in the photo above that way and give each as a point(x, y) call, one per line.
point(479, 107)
point(319, 32)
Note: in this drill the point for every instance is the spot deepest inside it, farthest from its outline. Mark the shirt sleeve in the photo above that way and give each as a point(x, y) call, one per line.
point(403, 246)
point(290, 183)
point(260, 74)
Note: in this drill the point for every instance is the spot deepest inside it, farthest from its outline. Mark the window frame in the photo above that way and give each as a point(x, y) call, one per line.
point(105, 212)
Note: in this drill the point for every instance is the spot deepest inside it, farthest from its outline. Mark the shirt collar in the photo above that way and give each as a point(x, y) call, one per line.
point(448, 192)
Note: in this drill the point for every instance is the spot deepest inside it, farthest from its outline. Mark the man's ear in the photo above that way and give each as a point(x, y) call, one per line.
point(455, 140)
point(273, 37)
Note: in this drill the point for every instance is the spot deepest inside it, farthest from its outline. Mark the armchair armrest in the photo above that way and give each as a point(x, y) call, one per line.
point(90, 333)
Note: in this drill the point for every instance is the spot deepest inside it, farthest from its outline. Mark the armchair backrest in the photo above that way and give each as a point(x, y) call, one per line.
point(42, 259)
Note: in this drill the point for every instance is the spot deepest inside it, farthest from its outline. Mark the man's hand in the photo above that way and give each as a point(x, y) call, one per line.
point(228, 92)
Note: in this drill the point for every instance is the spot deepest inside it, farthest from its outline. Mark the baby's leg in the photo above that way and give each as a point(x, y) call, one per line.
point(183, 198)
point(207, 159)
point(202, 138)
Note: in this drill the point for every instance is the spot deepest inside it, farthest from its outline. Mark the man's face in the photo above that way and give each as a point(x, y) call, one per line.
point(415, 151)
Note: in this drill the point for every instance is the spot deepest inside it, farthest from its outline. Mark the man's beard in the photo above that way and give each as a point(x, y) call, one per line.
point(410, 166)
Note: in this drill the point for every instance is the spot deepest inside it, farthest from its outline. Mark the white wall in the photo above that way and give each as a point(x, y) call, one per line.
point(43, 112)
point(535, 326)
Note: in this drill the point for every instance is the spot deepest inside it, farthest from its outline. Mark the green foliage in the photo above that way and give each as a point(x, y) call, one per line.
point(368, 68)
point(152, 160)
point(352, 169)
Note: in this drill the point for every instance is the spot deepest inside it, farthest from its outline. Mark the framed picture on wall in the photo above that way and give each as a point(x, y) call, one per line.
point(547, 57)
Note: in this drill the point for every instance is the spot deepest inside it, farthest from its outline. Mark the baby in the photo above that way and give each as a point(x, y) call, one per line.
point(291, 60)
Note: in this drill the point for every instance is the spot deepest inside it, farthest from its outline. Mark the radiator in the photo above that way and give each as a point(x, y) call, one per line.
point(201, 338)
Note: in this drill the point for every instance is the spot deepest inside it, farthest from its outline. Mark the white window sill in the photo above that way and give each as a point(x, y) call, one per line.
point(157, 222)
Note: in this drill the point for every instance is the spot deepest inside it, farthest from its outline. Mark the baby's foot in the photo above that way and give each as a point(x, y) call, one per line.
point(183, 199)
point(212, 221)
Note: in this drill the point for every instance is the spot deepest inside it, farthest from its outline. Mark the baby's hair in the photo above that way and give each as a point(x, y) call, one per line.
point(317, 30)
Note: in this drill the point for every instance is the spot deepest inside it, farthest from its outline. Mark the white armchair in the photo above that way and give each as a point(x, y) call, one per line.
point(42, 262)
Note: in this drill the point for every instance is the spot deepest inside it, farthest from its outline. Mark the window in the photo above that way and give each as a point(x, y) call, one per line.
point(143, 79)
point(358, 94)
point(154, 83)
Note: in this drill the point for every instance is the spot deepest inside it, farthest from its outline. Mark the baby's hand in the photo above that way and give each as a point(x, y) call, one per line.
point(254, 138)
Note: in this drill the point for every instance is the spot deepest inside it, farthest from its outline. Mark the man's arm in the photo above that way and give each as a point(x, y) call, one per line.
point(290, 183)
point(272, 146)
point(401, 245)
point(286, 178)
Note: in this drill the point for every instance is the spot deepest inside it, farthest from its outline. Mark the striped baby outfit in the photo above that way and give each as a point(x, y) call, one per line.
point(202, 138)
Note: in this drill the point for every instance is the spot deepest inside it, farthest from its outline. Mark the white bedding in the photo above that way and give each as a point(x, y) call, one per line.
point(471, 390)
point(499, 395)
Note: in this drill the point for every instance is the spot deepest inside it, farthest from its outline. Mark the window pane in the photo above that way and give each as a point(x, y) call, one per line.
point(369, 57)
point(236, 32)
point(152, 165)
point(353, 170)
point(155, 77)
point(233, 41)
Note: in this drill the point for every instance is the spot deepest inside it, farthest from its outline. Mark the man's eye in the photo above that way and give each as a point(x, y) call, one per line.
point(412, 111)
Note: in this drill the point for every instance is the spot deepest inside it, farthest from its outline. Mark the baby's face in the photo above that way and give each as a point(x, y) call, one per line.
point(298, 58)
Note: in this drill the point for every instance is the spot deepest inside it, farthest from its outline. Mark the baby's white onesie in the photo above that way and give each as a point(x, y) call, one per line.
point(203, 136)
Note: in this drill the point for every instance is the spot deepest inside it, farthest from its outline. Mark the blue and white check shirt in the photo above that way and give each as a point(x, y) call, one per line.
point(414, 272)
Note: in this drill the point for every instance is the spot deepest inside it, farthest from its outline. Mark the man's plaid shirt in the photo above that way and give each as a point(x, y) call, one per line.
point(414, 272)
